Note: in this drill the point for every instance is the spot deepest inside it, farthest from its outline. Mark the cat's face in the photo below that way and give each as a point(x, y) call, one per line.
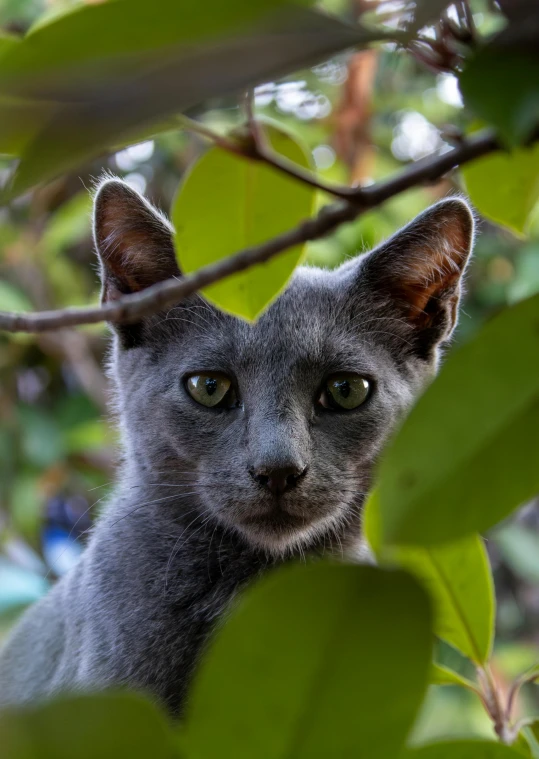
point(275, 427)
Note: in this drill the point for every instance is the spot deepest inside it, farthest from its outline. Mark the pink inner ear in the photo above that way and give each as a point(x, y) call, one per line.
point(434, 269)
point(133, 240)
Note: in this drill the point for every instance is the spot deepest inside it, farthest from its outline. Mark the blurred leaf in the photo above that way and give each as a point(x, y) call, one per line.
point(42, 443)
point(533, 728)
point(522, 746)
point(519, 547)
point(26, 504)
point(466, 456)
point(87, 436)
point(20, 122)
point(69, 225)
point(472, 749)
point(440, 675)
point(505, 187)
point(115, 81)
point(227, 203)
point(13, 299)
point(309, 653)
point(107, 726)
point(526, 280)
point(89, 33)
point(7, 42)
point(500, 84)
point(514, 658)
point(370, 522)
point(458, 578)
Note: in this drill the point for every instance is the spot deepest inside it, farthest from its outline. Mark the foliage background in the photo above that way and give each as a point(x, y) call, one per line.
point(362, 117)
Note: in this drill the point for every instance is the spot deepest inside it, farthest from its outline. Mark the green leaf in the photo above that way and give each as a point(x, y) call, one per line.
point(519, 547)
point(459, 579)
point(107, 726)
point(531, 733)
point(440, 675)
point(457, 576)
point(317, 661)
point(227, 203)
point(20, 121)
point(370, 522)
point(522, 746)
point(113, 81)
point(505, 187)
point(510, 61)
point(13, 299)
point(467, 454)
point(470, 749)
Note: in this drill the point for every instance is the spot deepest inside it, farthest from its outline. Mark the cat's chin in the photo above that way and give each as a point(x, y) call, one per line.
point(281, 533)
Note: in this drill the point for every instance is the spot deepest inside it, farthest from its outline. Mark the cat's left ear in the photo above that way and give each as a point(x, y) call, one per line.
point(418, 272)
point(133, 241)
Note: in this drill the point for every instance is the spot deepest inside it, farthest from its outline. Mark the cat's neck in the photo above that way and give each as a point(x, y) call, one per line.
point(177, 534)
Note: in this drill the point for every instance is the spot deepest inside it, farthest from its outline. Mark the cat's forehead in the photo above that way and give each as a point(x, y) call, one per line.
point(309, 324)
point(303, 314)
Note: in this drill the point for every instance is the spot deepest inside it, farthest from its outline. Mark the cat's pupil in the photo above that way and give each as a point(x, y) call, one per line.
point(343, 387)
point(211, 385)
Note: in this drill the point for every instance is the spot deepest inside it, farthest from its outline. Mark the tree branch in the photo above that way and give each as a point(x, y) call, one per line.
point(131, 308)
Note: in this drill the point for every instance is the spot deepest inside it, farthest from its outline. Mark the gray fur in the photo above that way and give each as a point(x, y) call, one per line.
point(187, 525)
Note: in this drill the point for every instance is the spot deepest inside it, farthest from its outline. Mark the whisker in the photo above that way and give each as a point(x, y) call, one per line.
point(173, 552)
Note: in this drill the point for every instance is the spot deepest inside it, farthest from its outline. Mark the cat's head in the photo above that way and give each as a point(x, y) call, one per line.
point(274, 428)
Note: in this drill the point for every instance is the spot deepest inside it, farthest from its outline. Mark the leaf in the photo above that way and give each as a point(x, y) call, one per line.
point(511, 61)
point(440, 675)
point(458, 578)
point(113, 81)
point(13, 299)
point(107, 726)
point(519, 547)
point(88, 34)
point(466, 456)
point(522, 746)
point(470, 749)
point(505, 187)
point(227, 203)
point(317, 661)
point(532, 733)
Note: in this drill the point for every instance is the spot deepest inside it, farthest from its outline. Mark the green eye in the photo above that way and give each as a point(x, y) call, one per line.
point(208, 389)
point(345, 391)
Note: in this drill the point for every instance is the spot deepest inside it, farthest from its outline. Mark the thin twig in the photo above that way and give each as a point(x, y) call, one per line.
point(131, 308)
point(253, 147)
point(524, 679)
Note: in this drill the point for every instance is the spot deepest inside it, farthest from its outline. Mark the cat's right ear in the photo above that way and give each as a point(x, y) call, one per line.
point(133, 241)
point(414, 278)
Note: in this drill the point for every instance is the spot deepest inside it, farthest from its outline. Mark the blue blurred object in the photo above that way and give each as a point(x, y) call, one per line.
point(67, 519)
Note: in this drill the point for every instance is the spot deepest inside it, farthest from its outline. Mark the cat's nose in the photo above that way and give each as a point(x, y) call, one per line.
point(277, 481)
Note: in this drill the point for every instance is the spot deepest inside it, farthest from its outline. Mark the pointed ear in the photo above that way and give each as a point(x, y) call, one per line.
point(133, 241)
point(418, 271)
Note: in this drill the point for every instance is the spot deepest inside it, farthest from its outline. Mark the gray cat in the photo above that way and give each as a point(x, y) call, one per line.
point(244, 444)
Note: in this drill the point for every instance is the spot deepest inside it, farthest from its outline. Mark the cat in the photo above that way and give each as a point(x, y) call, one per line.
point(245, 445)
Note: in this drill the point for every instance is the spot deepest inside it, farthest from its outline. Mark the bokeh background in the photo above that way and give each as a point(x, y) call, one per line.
point(363, 117)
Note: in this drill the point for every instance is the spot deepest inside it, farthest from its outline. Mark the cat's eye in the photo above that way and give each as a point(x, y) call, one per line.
point(344, 391)
point(211, 389)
